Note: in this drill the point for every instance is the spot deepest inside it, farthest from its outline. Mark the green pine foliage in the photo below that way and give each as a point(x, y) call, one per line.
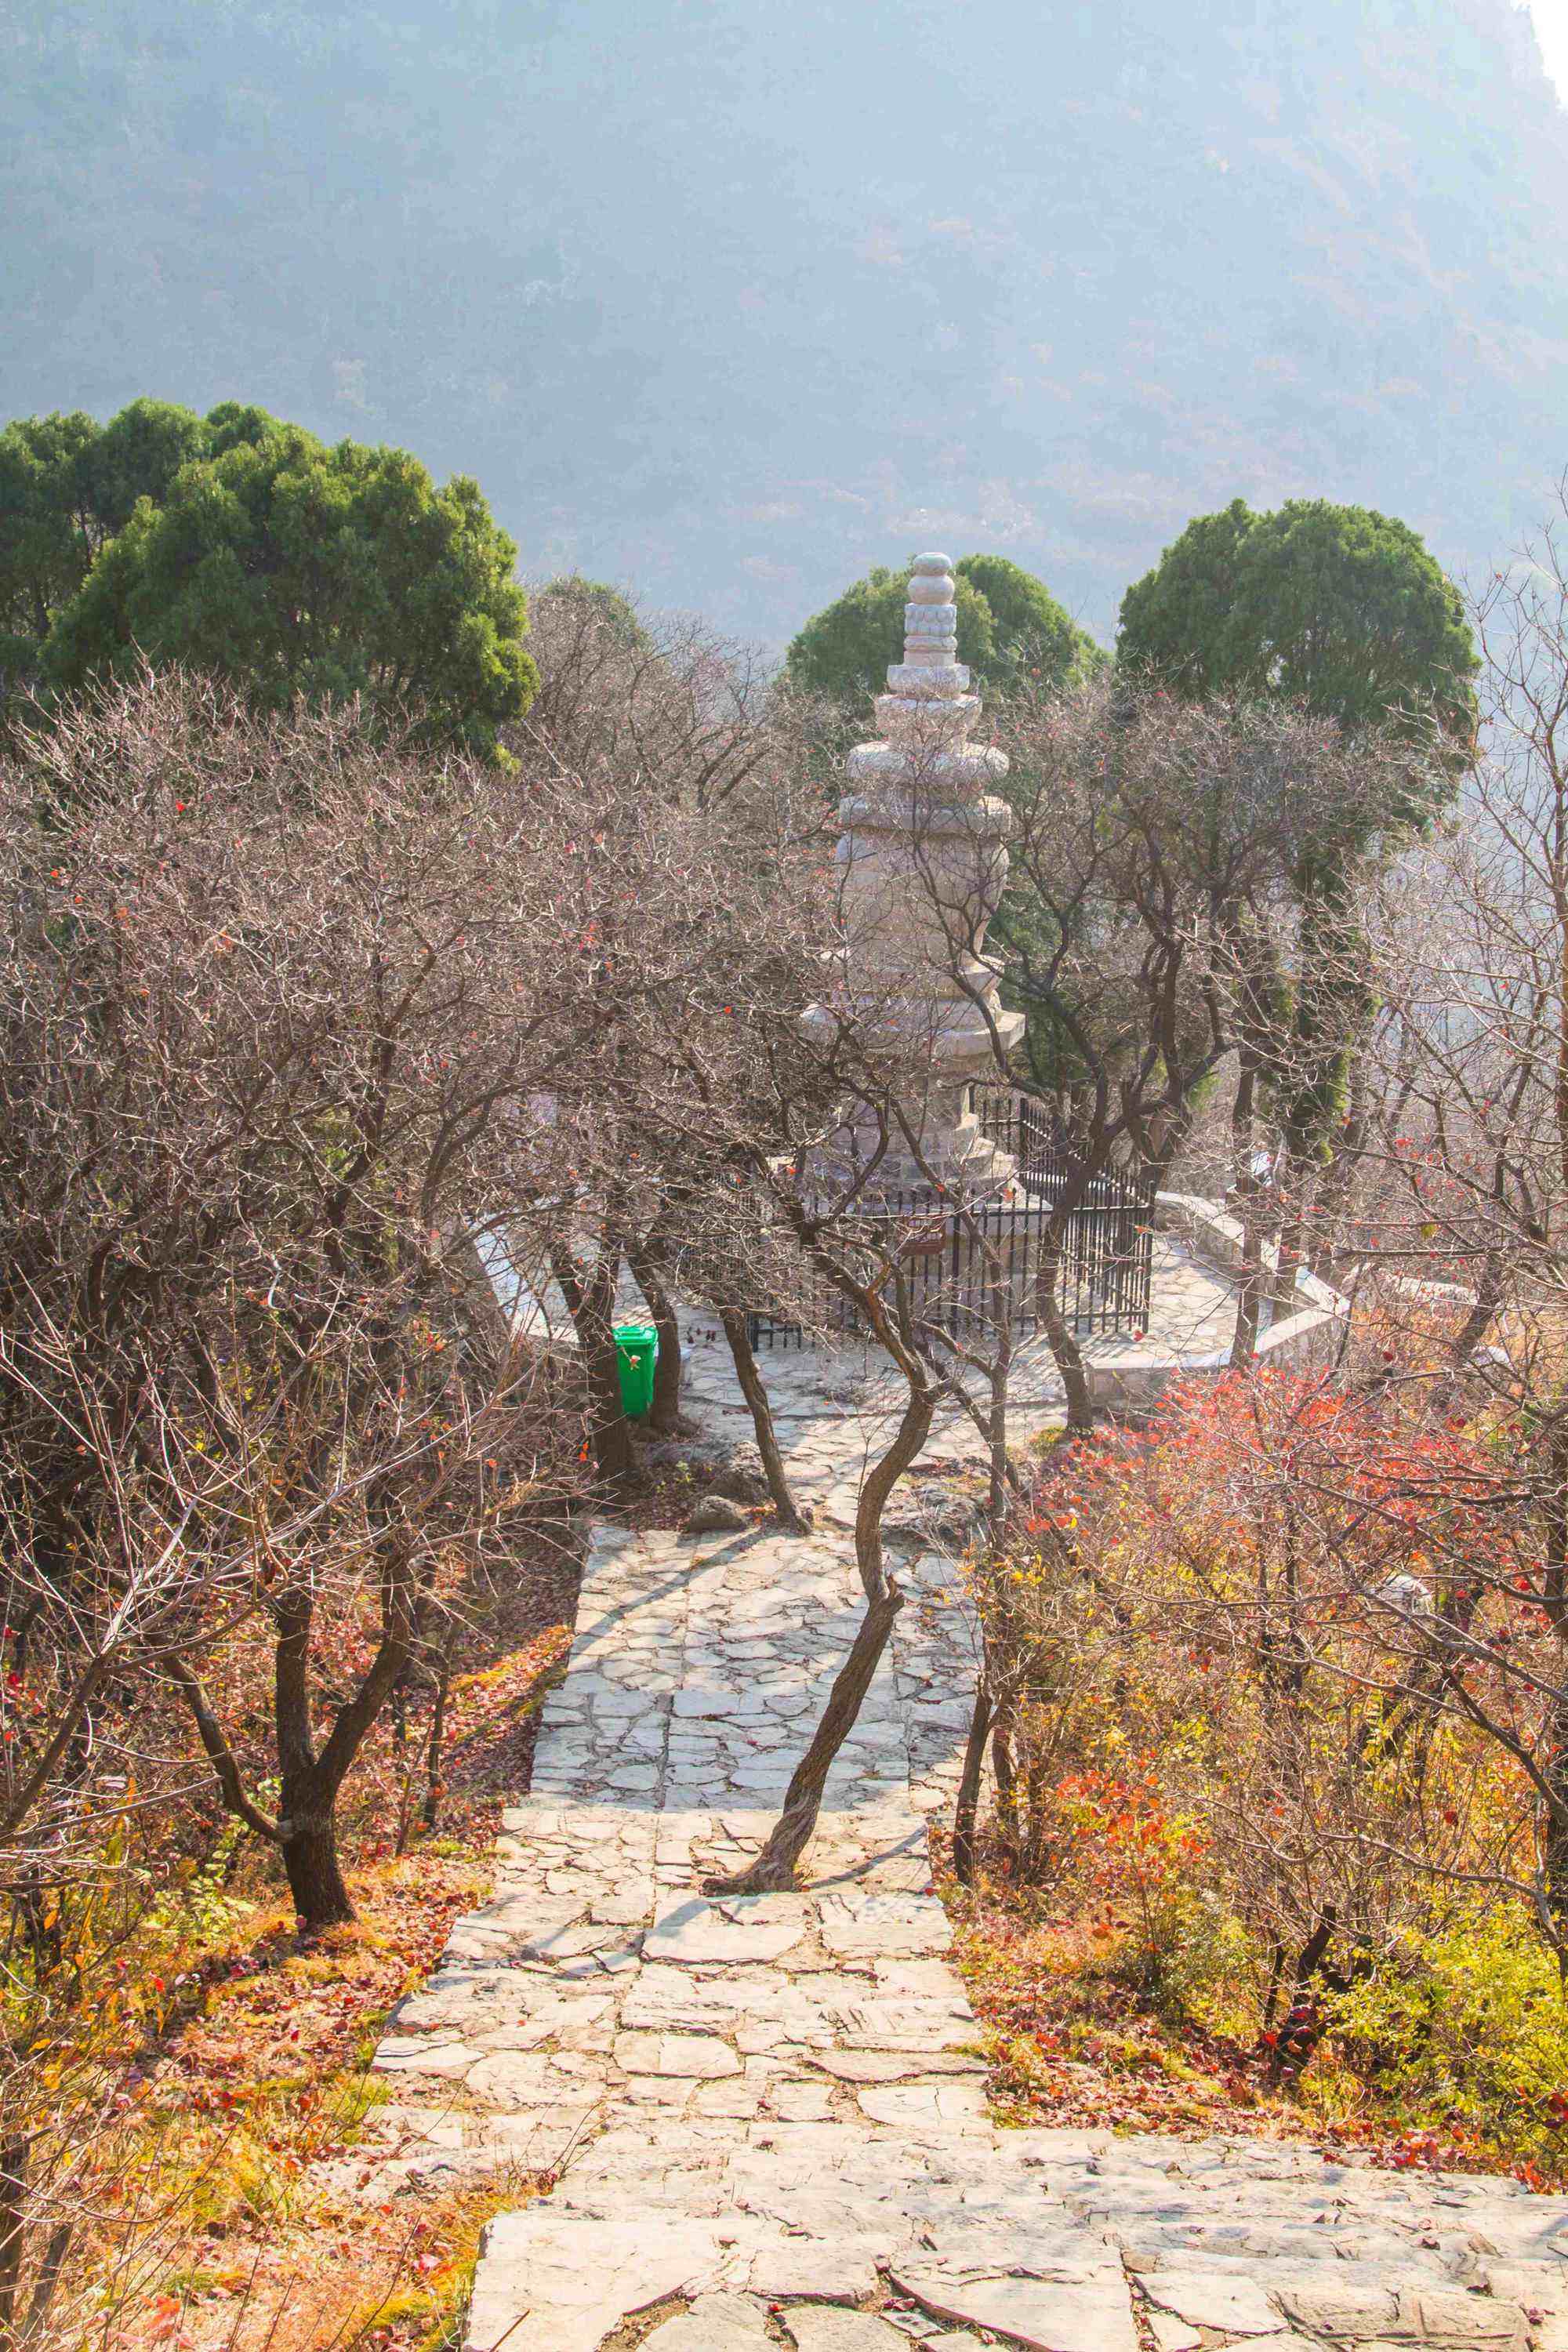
point(246, 547)
point(67, 484)
point(1008, 620)
point(1339, 608)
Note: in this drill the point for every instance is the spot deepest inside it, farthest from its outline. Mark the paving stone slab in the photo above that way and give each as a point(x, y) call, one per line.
point(535, 2290)
point(751, 1930)
point(830, 2268)
point(1092, 2313)
point(716, 2323)
point(856, 1926)
point(1172, 2335)
point(868, 2066)
point(815, 2327)
point(923, 2108)
point(1449, 2316)
point(1211, 2298)
point(700, 2055)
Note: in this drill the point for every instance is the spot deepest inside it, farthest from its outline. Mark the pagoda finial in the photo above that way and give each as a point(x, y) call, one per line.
point(931, 616)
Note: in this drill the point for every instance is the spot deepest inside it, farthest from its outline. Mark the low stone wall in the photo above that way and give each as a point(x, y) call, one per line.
point(1127, 1384)
point(1220, 1238)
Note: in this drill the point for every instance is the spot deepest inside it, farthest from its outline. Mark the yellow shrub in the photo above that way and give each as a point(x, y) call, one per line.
point(1468, 2029)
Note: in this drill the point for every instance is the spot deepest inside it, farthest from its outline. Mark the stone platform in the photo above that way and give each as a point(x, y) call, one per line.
point(767, 2117)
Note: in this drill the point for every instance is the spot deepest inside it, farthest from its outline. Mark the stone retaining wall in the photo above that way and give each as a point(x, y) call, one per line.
point(1129, 1386)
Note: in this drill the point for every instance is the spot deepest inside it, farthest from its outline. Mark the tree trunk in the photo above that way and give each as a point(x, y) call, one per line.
point(775, 1867)
point(310, 1844)
point(611, 1431)
point(1346, 1150)
point(433, 1761)
point(913, 1431)
point(1005, 1779)
point(591, 1305)
point(1300, 2029)
point(490, 1325)
point(755, 1393)
point(999, 1289)
point(14, 2153)
point(1246, 1188)
point(1276, 1979)
point(1483, 1314)
point(1248, 1298)
point(1552, 1833)
point(1292, 1229)
point(1067, 1353)
point(46, 2280)
point(968, 1802)
point(664, 1416)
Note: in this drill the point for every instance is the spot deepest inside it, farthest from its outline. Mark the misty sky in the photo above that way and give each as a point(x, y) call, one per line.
point(724, 302)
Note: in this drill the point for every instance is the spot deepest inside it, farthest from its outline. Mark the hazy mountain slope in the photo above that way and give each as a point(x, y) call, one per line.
point(728, 300)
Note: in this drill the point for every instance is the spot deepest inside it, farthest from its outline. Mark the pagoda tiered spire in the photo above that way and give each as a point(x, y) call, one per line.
point(924, 861)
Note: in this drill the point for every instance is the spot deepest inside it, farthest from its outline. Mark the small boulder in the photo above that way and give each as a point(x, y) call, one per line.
point(738, 1470)
point(742, 1481)
point(716, 1515)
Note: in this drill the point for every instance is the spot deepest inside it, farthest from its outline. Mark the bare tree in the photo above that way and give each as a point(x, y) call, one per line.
point(672, 764)
point(817, 1113)
point(693, 718)
point(860, 1260)
point(277, 996)
point(1146, 910)
point(1463, 1202)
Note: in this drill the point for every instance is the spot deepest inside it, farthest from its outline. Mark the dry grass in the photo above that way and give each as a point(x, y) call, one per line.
point(239, 2208)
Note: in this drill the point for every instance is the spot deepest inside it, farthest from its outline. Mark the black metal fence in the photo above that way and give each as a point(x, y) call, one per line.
point(770, 1330)
point(1106, 1222)
point(1046, 1233)
point(1012, 1251)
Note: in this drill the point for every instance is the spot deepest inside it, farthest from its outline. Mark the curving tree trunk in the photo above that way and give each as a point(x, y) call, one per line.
point(1060, 1337)
point(310, 1775)
point(1245, 1192)
point(791, 1518)
point(967, 1805)
point(775, 1867)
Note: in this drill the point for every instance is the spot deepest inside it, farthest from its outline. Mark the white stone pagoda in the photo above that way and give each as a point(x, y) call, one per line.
point(921, 861)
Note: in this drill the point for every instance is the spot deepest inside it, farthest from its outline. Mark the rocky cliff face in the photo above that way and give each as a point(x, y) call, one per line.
point(741, 297)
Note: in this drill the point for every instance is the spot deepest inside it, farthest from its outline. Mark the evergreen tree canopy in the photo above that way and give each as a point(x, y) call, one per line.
point(137, 456)
point(44, 548)
point(1338, 607)
point(68, 483)
point(290, 568)
point(1007, 620)
point(1342, 611)
point(1031, 631)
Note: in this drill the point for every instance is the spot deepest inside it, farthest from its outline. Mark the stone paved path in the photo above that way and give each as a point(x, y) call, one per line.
point(768, 2115)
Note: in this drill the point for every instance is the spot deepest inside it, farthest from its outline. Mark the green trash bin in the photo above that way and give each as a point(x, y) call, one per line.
point(636, 1344)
